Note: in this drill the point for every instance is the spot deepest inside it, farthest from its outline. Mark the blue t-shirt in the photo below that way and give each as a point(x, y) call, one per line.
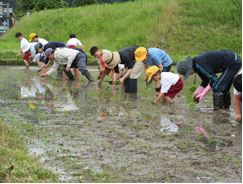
point(157, 57)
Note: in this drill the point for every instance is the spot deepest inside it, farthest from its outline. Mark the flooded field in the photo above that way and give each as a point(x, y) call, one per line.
point(91, 134)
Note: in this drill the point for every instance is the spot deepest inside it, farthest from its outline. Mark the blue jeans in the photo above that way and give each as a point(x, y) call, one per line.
point(226, 78)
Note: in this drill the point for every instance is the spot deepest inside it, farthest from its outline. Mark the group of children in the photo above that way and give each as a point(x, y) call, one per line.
point(132, 60)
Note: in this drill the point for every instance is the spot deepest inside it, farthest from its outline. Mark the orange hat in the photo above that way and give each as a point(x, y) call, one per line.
point(151, 71)
point(140, 53)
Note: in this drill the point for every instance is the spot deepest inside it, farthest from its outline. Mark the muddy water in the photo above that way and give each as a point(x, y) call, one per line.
point(90, 134)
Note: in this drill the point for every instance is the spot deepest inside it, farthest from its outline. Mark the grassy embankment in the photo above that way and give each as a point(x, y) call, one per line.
point(184, 26)
point(25, 168)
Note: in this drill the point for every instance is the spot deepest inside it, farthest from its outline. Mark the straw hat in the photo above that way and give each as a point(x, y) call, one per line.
point(140, 53)
point(26, 47)
point(111, 59)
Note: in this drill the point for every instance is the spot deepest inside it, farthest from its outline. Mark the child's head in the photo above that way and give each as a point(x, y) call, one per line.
point(51, 46)
point(141, 54)
point(96, 52)
point(72, 36)
point(38, 48)
point(33, 37)
point(237, 82)
point(19, 36)
point(153, 73)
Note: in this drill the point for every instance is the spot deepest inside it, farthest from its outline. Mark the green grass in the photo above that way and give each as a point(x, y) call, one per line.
point(183, 27)
point(25, 168)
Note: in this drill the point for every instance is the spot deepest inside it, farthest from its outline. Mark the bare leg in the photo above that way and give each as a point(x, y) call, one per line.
point(101, 79)
point(167, 99)
point(26, 63)
point(76, 73)
point(64, 76)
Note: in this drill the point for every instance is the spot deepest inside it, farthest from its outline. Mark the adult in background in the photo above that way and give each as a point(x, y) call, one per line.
point(44, 61)
point(73, 42)
point(237, 98)
point(153, 57)
point(69, 57)
point(133, 69)
point(207, 65)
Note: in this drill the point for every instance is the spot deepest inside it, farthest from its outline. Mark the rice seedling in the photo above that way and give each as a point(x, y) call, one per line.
point(190, 99)
point(227, 158)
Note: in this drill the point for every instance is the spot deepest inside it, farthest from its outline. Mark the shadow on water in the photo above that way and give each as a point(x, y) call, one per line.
point(92, 134)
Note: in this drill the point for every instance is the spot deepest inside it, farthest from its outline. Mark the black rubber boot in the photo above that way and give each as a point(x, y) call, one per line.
point(88, 76)
point(126, 84)
point(133, 86)
point(227, 100)
point(69, 74)
point(218, 100)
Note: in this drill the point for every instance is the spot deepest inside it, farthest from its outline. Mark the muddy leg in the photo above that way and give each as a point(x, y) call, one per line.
point(26, 63)
point(76, 73)
point(167, 99)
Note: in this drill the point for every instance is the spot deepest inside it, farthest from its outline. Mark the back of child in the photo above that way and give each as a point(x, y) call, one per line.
point(171, 84)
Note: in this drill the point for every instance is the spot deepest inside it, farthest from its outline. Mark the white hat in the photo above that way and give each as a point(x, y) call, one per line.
point(26, 47)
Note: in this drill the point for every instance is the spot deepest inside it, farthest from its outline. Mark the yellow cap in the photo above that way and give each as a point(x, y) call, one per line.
point(151, 71)
point(32, 35)
point(140, 53)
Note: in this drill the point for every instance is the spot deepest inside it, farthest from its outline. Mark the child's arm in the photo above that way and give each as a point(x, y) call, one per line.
point(236, 103)
point(19, 52)
point(145, 69)
point(159, 97)
point(121, 74)
point(82, 47)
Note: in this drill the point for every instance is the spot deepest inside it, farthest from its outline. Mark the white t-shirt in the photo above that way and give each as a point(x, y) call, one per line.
point(167, 80)
point(22, 42)
point(74, 41)
point(42, 41)
point(121, 66)
point(104, 51)
point(235, 91)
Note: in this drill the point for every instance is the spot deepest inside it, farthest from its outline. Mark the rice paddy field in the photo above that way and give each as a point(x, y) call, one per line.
point(90, 134)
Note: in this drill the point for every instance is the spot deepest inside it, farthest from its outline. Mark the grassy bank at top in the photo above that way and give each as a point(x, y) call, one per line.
point(179, 27)
point(16, 166)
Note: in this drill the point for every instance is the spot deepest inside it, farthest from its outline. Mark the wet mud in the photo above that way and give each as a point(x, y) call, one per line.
point(91, 134)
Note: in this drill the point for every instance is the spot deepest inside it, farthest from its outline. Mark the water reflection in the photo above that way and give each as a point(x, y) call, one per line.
point(168, 126)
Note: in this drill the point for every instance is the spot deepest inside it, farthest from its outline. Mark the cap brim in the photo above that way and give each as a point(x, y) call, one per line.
point(115, 60)
point(189, 67)
point(149, 79)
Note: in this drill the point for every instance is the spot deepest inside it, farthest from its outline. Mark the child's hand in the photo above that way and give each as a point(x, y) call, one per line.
point(43, 75)
point(154, 102)
point(17, 55)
